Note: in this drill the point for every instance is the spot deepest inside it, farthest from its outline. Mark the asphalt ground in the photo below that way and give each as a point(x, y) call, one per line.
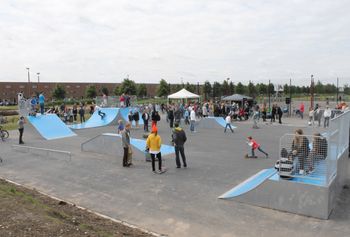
point(180, 202)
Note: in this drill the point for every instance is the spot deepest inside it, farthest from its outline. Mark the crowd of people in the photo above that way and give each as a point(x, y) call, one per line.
point(176, 113)
point(317, 113)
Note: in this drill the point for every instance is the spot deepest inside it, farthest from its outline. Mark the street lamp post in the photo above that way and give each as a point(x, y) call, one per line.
point(290, 97)
point(312, 86)
point(228, 85)
point(28, 81)
point(268, 92)
point(337, 90)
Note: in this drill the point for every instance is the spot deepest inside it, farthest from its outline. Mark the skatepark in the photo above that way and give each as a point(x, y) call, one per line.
point(82, 164)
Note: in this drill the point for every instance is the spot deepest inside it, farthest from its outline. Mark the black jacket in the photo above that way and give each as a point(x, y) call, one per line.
point(144, 116)
point(155, 116)
point(171, 114)
point(179, 137)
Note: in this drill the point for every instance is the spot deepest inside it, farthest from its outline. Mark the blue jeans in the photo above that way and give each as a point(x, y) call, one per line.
point(42, 108)
point(192, 125)
point(228, 125)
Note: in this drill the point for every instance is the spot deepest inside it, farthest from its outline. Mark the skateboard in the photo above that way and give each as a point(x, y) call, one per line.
point(247, 156)
point(164, 169)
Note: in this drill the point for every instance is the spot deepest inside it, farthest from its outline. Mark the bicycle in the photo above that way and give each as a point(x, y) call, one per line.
point(4, 134)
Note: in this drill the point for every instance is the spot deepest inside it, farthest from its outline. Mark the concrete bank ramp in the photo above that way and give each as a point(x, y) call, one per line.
point(249, 184)
point(110, 144)
point(50, 126)
point(123, 114)
point(213, 122)
point(95, 120)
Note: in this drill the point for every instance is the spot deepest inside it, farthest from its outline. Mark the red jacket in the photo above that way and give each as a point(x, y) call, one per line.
point(255, 145)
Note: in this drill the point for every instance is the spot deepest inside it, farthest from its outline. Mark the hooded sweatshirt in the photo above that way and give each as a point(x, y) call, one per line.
point(179, 137)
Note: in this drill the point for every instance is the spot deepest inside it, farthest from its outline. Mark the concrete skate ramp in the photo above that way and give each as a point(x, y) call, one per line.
point(249, 184)
point(50, 126)
point(123, 112)
point(213, 122)
point(110, 144)
point(96, 121)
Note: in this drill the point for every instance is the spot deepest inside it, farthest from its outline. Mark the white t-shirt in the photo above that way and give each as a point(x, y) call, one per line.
point(228, 119)
point(193, 115)
point(327, 113)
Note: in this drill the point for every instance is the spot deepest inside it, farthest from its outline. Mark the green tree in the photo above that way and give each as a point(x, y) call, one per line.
point(331, 88)
point(240, 88)
point(271, 88)
point(128, 87)
point(251, 89)
point(207, 90)
point(286, 89)
point(91, 91)
point(217, 90)
point(163, 89)
point(105, 91)
point(117, 91)
point(346, 89)
point(261, 88)
point(319, 88)
point(190, 87)
point(225, 88)
point(59, 92)
point(231, 88)
point(141, 90)
point(176, 87)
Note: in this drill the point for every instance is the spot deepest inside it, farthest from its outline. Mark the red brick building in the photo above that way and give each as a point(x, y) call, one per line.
point(9, 90)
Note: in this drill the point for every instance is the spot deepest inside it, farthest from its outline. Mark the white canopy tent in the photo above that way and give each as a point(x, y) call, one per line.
point(183, 94)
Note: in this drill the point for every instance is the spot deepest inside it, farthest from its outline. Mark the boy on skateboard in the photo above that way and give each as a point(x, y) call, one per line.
point(254, 145)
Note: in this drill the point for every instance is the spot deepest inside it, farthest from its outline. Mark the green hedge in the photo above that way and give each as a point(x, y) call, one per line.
point(69, 102)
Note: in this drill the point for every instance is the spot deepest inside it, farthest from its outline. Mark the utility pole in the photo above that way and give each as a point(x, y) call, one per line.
point(290, 97)
point(337, 90)
point(28, 82)
point(312, 92)
point(268, 92)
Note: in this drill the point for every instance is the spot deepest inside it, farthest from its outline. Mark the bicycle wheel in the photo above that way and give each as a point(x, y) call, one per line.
point(4, 134)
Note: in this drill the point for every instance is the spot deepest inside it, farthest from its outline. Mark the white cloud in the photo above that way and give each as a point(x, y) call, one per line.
point(195, 40)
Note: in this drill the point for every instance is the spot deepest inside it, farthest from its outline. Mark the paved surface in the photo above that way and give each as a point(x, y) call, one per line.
point(181, 202)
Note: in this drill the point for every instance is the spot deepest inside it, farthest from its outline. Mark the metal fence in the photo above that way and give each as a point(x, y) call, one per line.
point(24, 107)
point(315, 157)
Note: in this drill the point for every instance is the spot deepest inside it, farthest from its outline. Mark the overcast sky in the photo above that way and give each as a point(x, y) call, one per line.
point(178, 40)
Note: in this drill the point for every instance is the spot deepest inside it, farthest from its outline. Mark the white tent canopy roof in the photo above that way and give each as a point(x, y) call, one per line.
point(183, 94)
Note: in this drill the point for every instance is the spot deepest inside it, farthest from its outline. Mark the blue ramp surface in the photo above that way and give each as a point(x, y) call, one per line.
point(221, 121)
point(249, 184)
point(96, 121)
point(50, 126)
point(124, 114)
point(140, 145)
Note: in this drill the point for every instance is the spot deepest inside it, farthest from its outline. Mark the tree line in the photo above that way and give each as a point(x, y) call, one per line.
point(207, 90)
